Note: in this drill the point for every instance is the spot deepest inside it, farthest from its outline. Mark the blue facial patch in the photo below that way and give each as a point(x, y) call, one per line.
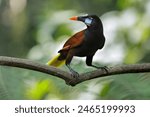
point(88, 21)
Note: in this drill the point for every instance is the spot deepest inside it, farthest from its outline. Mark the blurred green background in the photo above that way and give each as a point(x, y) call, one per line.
point(36, 30)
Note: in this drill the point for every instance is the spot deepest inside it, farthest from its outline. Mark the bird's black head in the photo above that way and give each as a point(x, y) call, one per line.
point(89, 20)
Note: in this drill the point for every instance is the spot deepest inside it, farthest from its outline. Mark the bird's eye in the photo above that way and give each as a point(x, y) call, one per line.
point(88, 21)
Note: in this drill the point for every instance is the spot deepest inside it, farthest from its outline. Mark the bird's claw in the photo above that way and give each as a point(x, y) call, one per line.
point(75, 74)
point(103, 68)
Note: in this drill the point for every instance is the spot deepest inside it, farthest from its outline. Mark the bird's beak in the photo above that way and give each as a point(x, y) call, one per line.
point(74, 18)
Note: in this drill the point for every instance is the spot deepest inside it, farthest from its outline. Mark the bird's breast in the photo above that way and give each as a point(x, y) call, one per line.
point(88, 47)
point(92, 42)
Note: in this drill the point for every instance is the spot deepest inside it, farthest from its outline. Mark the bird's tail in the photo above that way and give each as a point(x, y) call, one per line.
point(56, 62)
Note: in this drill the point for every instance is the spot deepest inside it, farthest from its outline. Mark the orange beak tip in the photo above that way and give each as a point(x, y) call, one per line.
point(74, 18)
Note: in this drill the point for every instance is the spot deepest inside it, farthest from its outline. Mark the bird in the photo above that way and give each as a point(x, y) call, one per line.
point(84, 43)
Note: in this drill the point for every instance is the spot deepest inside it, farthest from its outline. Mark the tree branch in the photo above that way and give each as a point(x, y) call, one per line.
point(31, 65)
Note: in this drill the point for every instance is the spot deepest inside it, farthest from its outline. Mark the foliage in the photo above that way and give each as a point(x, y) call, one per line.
point(36, 29)
point(133, 86)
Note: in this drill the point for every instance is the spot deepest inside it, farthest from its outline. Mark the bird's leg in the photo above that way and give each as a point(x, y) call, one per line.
point(89, 63)
point(73, 72)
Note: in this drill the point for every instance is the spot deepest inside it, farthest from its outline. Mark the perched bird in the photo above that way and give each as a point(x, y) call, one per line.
point(82, 44)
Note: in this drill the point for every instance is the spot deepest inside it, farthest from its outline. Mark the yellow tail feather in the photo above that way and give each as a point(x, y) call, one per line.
point(55, 62)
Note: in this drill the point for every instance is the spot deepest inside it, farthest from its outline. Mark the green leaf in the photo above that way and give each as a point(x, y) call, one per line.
point(105, 89)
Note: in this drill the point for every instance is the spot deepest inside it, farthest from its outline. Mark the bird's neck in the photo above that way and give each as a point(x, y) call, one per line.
point(95, 29)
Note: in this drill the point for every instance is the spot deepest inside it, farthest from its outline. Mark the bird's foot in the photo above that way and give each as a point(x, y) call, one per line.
point(103, 68)
point(74, 74)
